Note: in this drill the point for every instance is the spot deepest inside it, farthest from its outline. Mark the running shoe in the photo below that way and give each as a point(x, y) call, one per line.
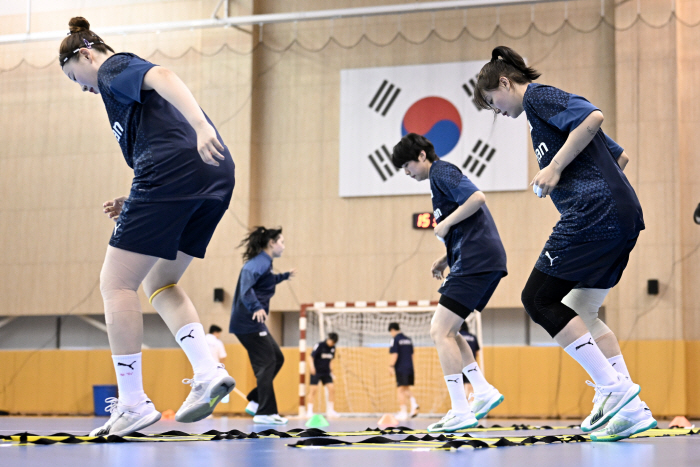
point(126, 419)
point(454, 421)
point(608, 400)
point(625, 423)
point(273, 419)
point(204, 396)
point(481, 404)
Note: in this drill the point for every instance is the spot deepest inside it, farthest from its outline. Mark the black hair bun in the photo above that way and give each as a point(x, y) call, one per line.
point(78, 24)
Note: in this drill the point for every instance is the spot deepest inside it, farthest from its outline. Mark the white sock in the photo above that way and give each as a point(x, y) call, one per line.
point(476, 377)
point(129, 379)
point(586, 352)
point(414, 404)
point(310, 408)
point(618, 363)
point(457, 395)
point(402, 409)
point(329, 407)
point(191, 339)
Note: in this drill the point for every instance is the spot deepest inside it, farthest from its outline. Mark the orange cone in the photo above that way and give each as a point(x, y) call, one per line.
point(168, 414)
point(388, 420)
point(680, 422)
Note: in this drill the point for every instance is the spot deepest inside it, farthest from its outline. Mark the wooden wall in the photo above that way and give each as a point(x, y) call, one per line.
point(278, 110)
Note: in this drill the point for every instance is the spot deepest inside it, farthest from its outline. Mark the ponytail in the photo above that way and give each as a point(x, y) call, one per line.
point(80, 37)
point(257, 240)
point(504, 62)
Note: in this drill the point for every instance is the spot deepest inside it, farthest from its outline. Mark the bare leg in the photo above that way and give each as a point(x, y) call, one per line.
point(331, 392)
point(572, 331)
point(172, 304)
point(467, 355)
point(443, 330)
point(122, 273)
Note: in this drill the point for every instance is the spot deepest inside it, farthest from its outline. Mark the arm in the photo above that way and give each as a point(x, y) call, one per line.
point(172, 89)
point(392, 362)
point(312, 368)
point(470, 206)
point(578, 139)
point(438, 267)
point(623, 160)
point(248, 297)
point(285, 275)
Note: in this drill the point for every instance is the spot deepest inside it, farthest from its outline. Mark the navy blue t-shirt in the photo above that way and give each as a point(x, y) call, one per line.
point(322, 355)
point(157, 141)
point(473, 245)
point(593, 196)
point(256, 286)
point(403, 346)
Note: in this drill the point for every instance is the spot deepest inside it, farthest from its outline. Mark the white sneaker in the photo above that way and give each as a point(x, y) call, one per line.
point(414, 411)
point(608, 401)
point(273, 419)
point(332, 414)
point(482, 403)
point(251, 408)
point(127, 419)
point(204, 396)
point(454, 421)
point(401, 416)
point(625, 423)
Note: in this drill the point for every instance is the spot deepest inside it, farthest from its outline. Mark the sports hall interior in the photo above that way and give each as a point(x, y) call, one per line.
point(273, 93)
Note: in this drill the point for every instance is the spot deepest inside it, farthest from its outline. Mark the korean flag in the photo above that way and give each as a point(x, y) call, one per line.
point(378, 106)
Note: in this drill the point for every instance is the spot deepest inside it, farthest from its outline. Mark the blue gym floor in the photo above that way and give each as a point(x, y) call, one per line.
point(664, 451)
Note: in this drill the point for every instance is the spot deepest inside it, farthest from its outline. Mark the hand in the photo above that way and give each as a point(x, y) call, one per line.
point(392, 371)
point(260, 316)
point(545, 180)
point(292, 272)
point(114, 207)
point(208, 145)
point(438, 267)
point(312, 371)
point(441, 230)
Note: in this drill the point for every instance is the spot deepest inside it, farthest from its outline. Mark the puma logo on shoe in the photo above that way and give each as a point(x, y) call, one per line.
point(130, 365)
point(456, 380)
point(188, 335)
point(585, 343)
point(599, 414)
point(551, 260)
point(473, 369)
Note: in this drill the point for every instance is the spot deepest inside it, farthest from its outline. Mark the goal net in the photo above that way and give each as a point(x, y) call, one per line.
point(363, 384)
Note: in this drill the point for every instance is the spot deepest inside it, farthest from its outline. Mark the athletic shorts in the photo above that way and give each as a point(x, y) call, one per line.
point(162, 228)
point(594, 265)
point(325, 379)
point(404, 378)
point(464, 294)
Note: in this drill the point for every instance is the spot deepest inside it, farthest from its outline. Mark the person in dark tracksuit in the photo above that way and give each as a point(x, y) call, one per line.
point(251, 306)
point(401, 365)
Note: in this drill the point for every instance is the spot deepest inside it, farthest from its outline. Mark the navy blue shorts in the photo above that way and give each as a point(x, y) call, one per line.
point(464, 294)
point(325, 379)
point(404, 378)
point(594, 265)
point(162, 228)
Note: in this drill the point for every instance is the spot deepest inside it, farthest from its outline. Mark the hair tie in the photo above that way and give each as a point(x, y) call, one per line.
point(88, 44)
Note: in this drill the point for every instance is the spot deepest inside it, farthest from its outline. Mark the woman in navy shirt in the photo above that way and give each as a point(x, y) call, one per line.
point(183, 181)
point(581, 171)
point(251, 307)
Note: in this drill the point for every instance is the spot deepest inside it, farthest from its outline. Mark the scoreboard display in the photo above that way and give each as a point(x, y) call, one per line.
point(424, 220)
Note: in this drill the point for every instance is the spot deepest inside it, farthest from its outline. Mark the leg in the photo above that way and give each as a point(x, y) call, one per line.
point(172, 304)
point(122, 273)
point(444, 328)
point(264, 356)
point(542, 298)
point(467, 355)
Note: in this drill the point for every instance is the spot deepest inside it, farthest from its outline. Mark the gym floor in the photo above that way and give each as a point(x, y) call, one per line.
point(275, 452)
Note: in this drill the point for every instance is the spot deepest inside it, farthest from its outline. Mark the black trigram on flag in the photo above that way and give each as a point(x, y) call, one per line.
point(384, 98)
point(480, 156)
point(381, 160)
point(469, 88)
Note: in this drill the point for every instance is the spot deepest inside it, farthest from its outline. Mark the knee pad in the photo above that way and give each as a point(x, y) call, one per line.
point(542, 302)
point(586, 303)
